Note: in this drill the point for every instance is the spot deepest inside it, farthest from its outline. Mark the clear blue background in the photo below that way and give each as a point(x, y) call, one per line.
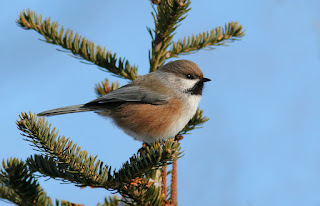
point(261, 145)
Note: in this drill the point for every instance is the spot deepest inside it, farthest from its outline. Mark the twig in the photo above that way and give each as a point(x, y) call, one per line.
point(174, 199)
point(164, 182)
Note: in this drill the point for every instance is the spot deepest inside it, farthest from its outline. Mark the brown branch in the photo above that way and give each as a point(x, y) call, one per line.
point(164, 182)
point(174, 200)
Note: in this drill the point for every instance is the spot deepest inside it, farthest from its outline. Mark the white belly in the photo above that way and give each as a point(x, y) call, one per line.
point(190, 109)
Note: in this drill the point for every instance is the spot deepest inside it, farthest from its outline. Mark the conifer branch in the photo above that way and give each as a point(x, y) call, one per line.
point(154, 156)
point(78, 174)
point(8, 194)
point(44, 199)
point(140, 188)
point(141, 192)
point(196, 122)
point(134, 174)
point(63, 159)
point(167, 16)
point(216, 37)
point(110, 201)
point(78, 45)
point(18, 184)
point(155, 1)
point(104, 88)
point(66, 203)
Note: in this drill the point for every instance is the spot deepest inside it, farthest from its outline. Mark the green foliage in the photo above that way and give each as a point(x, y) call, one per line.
point(65, 161)
point(194, 123)
point(155, 155)
point(110, 201)
point(15, 175)
point(66, 203)
point(8, 194)
point(104, 88)
point(155, 1)
point(78, 45)
point(19, 186)
point(167, 17)
point(216, 37)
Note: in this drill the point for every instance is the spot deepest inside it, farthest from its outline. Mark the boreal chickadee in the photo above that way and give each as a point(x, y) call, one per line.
point(153, 107)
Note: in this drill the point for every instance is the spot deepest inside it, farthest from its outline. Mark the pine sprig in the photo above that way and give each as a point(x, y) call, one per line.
point(7, 194)
point(52, 167)
point(110, 201)
point(155, 1)
point(19, 186)
point(216, 37)
point(196, 122)
point(78, 45)
point(153, 156)
point(63, 159)
point(18, 183)
point(134, 175)
point(66, 203)
point(66, 161)
point(142, 189)
point(142, 192)
point(104, 87)
point(167, 16)
point(136, 191)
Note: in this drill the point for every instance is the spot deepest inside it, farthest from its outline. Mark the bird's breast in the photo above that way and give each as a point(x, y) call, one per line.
point(150, 123)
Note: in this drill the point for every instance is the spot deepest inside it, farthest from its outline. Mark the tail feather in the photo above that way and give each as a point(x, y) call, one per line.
point(65, 110)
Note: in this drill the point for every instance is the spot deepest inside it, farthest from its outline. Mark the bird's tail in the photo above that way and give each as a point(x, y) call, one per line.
point(65, 110)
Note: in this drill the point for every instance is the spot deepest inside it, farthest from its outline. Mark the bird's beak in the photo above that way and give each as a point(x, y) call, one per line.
point(205, 80)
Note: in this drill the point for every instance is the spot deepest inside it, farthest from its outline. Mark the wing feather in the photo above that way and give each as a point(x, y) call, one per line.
point(131, 93)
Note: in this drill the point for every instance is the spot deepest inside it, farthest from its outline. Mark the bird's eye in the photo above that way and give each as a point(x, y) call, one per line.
point(189, 76)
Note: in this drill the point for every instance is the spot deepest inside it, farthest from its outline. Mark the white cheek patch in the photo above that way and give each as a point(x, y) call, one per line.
point(178, 83)
point(186, 84)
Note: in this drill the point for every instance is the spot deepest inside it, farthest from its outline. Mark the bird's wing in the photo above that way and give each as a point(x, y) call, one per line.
point(131, 93)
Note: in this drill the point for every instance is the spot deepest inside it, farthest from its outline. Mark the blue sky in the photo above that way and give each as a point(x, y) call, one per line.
point(261, 145)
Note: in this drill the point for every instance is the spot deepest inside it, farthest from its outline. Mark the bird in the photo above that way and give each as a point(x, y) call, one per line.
point(153, 107)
